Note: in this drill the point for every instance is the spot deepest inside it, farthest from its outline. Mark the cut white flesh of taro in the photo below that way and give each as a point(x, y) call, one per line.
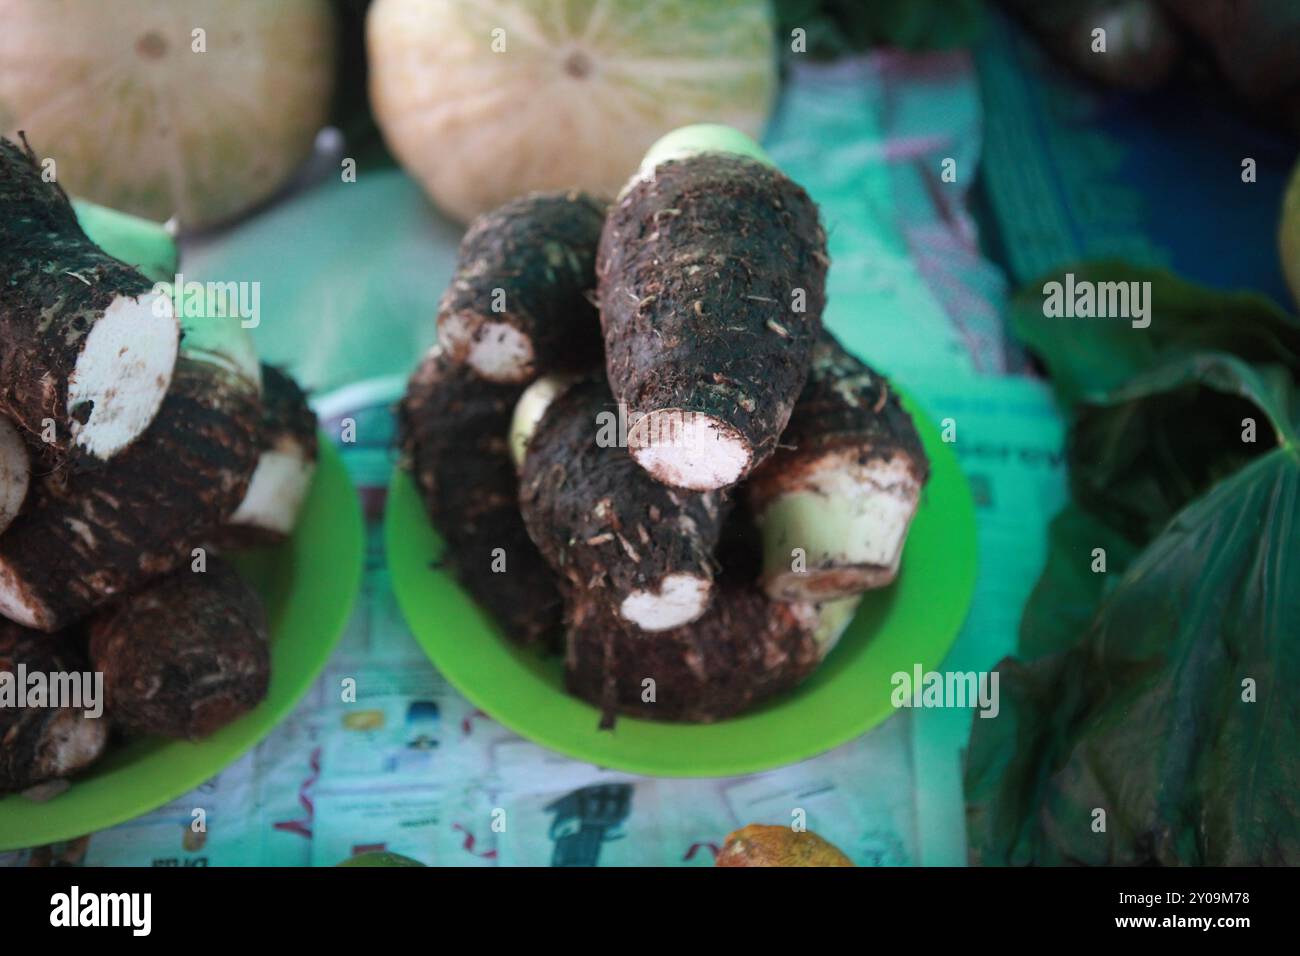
point(17, 601)
point(688, 449)
point(850, 519)
point(72, 741)
point(530, 408)
point(681, 598)
point(15, 472)
point(497, 351)
point(122, 374)
point(276, 492)
point(833, 619)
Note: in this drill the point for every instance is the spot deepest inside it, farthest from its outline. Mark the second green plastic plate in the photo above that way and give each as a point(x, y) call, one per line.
point(309, 585)
point(912, 622)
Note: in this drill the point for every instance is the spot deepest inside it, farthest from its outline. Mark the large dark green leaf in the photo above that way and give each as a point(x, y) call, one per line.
point(1092, 356)
point(1074, 580)
point(1145, 717)
point(836, 27)
point(1137, 456)
point(1144, 451)
point(1131, 697)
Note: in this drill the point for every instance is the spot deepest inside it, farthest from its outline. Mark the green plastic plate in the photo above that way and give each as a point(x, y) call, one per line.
point(309, 585)
point(912, 622)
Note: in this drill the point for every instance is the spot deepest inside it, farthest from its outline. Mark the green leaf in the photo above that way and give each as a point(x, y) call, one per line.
point(1145, 718)
point(836, 27)
point(935, 25)
point(1005, 764)
point(1132, 698)
point(1092, 356)
point(1142, 452)
point(1074, 580)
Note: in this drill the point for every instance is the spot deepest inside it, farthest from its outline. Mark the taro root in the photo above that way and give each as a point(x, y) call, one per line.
point(520, 302)
point(745, 649)
point(85, 539)
point(454, 428)
point(286, 461)
point(87, 348)
point(185, 656)
point(641, 548)
point(15, 473)
point(43, 743)
point(712, 270)
point(835, 502)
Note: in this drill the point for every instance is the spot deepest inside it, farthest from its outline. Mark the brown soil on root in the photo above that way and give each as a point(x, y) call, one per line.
point(88, 538)
point(744, 650)
point(43, 743)
point(56, 284)
point(529, 265)
point(185, 656)
point(288, 422)
point(455, 443)
point(599, 519)
point(699, 274)
point(844, 404)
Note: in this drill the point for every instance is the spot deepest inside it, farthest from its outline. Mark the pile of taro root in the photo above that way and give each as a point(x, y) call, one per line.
point(129, 457)
point(642, 449)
